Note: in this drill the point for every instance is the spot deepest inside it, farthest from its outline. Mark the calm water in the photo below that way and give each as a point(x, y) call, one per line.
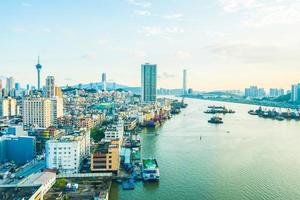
point(245, 158)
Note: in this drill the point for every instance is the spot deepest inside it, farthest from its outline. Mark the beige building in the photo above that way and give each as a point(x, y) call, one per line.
point(8, 107)
point(37, 112)
point(106, 157)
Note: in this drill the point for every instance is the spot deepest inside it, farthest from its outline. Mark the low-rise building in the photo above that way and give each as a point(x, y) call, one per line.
point(66, 153)
point(106, 156)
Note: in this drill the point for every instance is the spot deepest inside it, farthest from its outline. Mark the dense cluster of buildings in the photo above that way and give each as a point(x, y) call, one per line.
point(53, 130)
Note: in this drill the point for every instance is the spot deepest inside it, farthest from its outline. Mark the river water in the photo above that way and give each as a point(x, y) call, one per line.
point(247, 157)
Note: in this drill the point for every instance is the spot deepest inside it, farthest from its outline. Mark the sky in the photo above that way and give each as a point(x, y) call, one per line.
point(223, 44)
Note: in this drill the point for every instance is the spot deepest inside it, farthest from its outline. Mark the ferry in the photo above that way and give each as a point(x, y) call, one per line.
point(150, 170)
point(215, 120)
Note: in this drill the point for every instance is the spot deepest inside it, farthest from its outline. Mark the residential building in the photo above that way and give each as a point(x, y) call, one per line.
point(10, 86)
point(8, 107)
point(50, 86)
point(106, 157)
point(295, 93)
point(149, 82)
point(57, 109)
point(37, 112)
point(115, 131)
point(66, 153)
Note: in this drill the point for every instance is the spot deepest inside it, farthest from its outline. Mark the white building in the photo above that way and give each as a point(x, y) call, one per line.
point(67, 153)
point(115, 131)
point(37, 112)
point(8, 107)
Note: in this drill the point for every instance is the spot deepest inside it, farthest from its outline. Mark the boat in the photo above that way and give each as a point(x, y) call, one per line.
point(279, 118)
point(216, 120)
point(150, 170)
point(216, 107)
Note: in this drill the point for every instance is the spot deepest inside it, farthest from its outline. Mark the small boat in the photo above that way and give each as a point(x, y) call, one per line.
point(280, 118)
point(216, 120)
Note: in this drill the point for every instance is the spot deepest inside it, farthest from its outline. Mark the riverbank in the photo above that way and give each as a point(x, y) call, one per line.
point(248, 102)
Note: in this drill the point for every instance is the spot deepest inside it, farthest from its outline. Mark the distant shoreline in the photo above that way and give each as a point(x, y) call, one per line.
point(248, 102)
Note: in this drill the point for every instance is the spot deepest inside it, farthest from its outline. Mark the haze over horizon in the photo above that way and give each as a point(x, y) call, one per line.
point(224, 44)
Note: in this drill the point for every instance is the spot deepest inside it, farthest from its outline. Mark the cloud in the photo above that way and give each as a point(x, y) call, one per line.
point(157, 30)
point(183, 55)
point(139, 54)
point(173, 16)
point(236, 5)
point(255, 53)
point(139, 3)
point(142, 13)
point(279, 12)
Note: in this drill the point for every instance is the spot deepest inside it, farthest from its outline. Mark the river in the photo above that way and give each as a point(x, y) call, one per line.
point(247, 157)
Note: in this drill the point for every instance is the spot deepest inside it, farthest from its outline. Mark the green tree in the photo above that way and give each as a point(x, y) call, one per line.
point(97, 134)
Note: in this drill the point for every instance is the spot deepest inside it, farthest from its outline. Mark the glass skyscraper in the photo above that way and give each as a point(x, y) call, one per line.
point(149, 81)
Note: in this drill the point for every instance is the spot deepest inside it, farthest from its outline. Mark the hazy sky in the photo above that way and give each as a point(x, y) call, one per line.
point(224, 44)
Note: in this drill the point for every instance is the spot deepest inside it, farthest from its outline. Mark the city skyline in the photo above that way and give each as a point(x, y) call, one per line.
point(256, 40)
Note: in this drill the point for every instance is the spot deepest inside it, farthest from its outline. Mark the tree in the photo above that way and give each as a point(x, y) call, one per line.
point(97, 134)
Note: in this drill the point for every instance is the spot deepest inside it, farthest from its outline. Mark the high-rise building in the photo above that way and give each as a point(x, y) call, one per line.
point(295, 93)
point(8, 107)
point(37, 112)
point(149, 82)
point(38, 68)
point(184, 85)
point(104, 82)
point(276, 92)
point(10, 86)
point(50, 86)
point(57, 109)
point(0, 84)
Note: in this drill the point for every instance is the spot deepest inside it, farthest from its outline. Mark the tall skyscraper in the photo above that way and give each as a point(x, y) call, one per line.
point(149, 82)
point(184, 86)
point(104, 81)
point(10, 86)
point(50, 86)
point(38, 68)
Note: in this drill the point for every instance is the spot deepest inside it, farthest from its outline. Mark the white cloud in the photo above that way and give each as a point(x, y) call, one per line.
point(139, 3)
point(255, 53)
point(235, 5)
point(173, 16)
point(142, 12)
point(157, 30)
point(90, 56)
point(183, 54)
point(279, 12)
point(19, 29)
